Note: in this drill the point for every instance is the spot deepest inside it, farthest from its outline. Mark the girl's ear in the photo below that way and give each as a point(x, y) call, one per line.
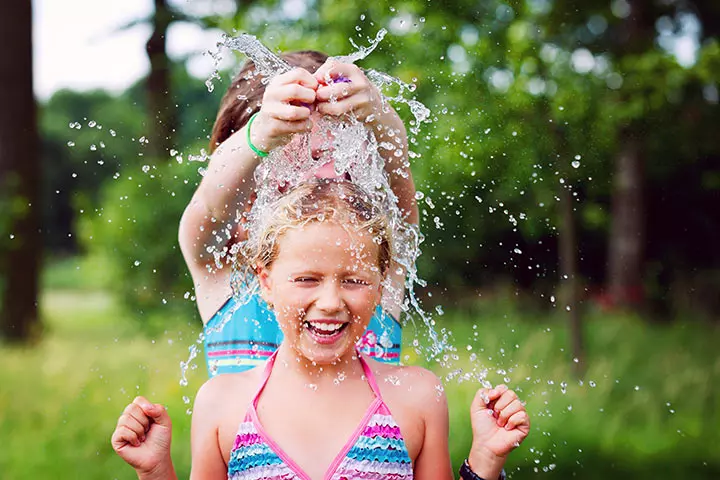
point(263, 275)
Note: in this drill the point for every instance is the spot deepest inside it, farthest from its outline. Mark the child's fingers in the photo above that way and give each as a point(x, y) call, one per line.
point(155, 411)
point(485, 397)
point(506, 398)
point(343, 107)
point(520, 421)
point(135, 413)
point(333, 71)
point(142, 402)
point(337, 91)
point(296, 75)
point(293, 92)
point(514, 407)
point(123, 436)
point(130, 422)
point(159, 415)
point(287, 112)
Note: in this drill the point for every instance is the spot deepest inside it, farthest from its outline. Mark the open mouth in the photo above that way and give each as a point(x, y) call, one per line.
point(326, 332)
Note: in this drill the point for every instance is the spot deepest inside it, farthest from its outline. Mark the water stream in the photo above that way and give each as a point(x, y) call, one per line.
point(355, 152)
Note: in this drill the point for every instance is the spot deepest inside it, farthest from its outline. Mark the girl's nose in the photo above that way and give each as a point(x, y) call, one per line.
point(329, 299)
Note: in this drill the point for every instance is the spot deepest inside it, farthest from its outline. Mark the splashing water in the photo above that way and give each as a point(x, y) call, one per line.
point(355, 152)
point(266, 62)
point(362, 52)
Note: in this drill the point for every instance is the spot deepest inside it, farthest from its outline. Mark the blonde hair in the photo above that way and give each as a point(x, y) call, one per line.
point(315, 200)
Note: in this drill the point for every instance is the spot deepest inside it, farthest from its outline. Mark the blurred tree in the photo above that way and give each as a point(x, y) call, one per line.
point(20, 245)
point(647, 88)
point(529, 105)
point(162, 111)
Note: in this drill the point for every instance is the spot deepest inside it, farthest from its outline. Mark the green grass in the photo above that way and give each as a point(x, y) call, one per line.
point(60, 399)
point(648, 405)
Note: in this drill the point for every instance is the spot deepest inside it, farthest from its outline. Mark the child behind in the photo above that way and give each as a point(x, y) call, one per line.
point(318, 409)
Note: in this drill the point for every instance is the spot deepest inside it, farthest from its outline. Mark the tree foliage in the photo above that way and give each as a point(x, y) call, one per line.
point(528, 102)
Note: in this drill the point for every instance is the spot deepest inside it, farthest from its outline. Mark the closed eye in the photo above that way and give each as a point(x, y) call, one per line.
point(355, 281)
point(306, 280)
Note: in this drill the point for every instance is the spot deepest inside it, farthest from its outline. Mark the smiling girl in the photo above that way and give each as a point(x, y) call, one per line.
point(283, 114)
point(318, 408)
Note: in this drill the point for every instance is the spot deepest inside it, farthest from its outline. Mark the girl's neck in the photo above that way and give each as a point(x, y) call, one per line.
point(348, 366)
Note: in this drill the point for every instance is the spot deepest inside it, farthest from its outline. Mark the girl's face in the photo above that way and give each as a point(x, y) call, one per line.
point(324, 286)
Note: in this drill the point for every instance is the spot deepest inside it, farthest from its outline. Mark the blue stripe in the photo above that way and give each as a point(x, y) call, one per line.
point(253, 323)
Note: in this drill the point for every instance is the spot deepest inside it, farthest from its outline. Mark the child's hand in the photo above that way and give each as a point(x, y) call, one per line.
point(285, 111)
point(142, 436)
point(499, 423)
point(344, 89)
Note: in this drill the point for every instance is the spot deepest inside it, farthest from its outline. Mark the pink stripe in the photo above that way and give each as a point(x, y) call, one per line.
point(372, 354)
point(227, 353)
point(335, 465)
point(246, 440)
point(382, 431)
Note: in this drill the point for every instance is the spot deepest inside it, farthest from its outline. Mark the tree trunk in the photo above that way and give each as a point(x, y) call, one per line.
point(627, 229)
point(161, 109)
point(569, 287)
point(20, 245)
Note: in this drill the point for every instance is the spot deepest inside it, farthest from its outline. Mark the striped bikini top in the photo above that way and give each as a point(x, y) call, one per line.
point(375, 451)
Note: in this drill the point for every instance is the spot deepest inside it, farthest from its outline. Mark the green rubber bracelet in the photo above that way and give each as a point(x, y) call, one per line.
point(257, 151)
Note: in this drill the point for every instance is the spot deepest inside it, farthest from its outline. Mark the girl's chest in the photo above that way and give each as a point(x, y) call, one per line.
point(313, 435)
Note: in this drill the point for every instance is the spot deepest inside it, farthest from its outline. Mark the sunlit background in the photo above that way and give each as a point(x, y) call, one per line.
point(568, 183)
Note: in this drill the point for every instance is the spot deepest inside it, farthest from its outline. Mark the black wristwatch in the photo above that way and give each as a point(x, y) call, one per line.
point(467, 474)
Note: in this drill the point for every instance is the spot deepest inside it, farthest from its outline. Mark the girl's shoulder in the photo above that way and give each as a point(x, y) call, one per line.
point(409, 386)
point(228, 389)
point(415, 398)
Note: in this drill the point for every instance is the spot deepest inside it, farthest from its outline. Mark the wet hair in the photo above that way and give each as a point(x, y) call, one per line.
point(318, 200)
point(244, 96)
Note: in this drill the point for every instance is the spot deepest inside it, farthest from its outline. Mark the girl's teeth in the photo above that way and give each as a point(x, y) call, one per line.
point(326, 327)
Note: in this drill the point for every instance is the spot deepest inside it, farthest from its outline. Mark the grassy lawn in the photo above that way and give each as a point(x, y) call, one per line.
point(648, 407)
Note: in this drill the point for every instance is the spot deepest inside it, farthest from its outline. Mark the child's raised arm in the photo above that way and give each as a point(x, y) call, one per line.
point(228, 181)
point(357, 95)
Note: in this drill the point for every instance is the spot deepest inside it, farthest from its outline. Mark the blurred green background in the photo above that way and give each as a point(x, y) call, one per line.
point(568, 184)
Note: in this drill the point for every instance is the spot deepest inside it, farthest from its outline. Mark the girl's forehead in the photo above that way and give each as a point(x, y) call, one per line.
point(316, 240)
